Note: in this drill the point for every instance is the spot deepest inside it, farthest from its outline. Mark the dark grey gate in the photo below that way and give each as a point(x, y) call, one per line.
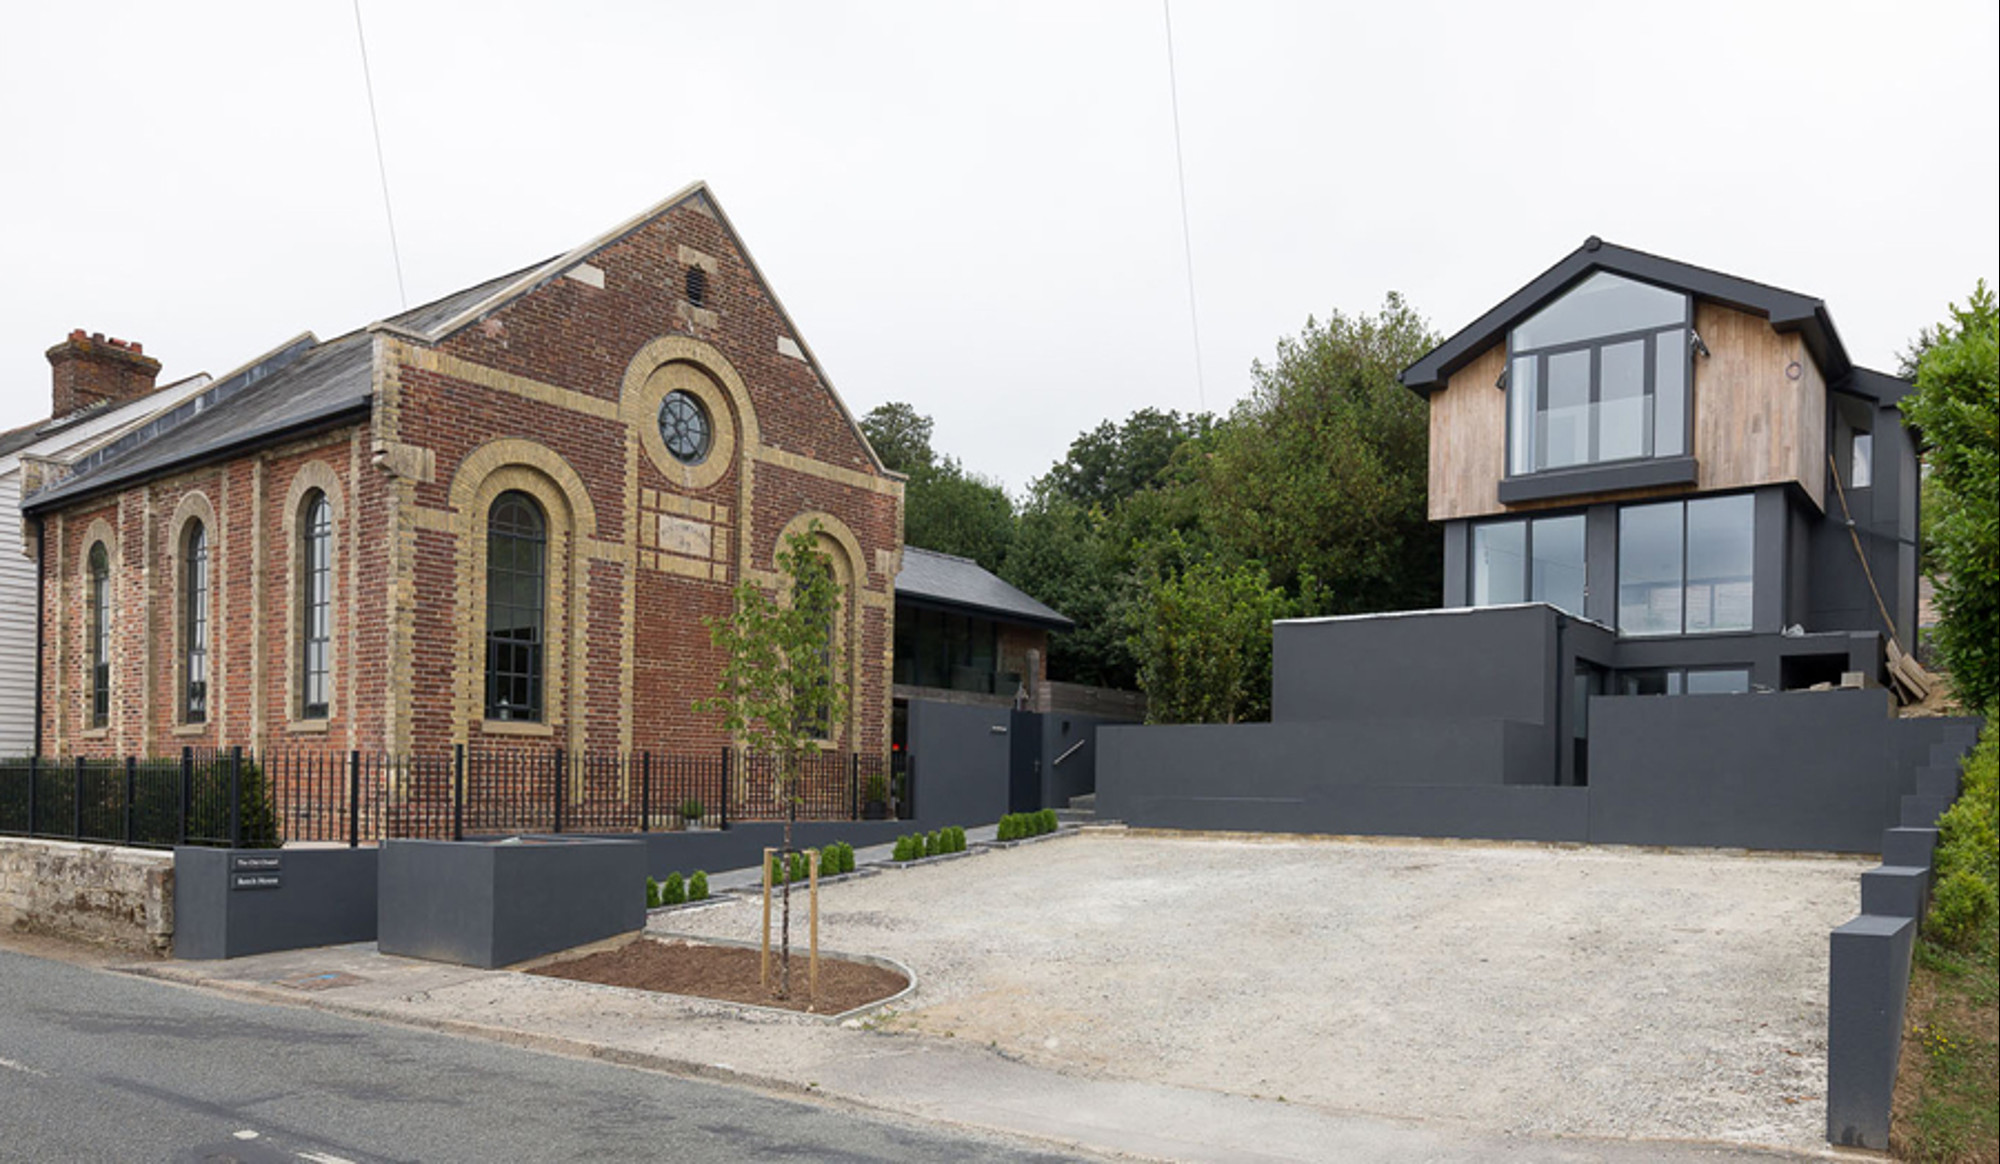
point(1024, 761)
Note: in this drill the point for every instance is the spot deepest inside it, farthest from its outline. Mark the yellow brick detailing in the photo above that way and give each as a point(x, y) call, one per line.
point(490, 470)
point(825, 472)
point(444, 364)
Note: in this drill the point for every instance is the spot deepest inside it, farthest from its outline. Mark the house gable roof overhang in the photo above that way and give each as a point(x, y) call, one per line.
point(1788, 311)
point(948, 582)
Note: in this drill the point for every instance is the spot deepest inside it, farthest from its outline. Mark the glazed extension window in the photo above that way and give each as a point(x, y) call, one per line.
point(1600, 375)
point(1529, 561)
point(1686, 567)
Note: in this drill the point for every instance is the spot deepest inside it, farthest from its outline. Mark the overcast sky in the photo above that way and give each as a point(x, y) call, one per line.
point(973, 208)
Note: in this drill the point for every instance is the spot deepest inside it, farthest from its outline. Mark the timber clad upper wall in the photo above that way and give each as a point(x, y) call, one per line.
point(1754, 424)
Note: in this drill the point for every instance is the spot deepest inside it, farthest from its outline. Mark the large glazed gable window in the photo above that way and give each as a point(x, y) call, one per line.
point(1686, 567)
point(516, 600)
point(100, 636)
point(315, 604)
point(194, 625)
point(1600, 375)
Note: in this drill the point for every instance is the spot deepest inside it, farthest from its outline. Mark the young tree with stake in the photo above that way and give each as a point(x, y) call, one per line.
point(780, 692)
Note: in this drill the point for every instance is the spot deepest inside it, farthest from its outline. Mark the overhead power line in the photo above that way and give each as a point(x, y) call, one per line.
point(381, 166)
point(1187, 237)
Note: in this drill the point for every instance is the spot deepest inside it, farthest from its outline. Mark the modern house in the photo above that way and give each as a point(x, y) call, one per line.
point(973, 697)
point(102, 390)
point(495, 520)
point(1651, 479)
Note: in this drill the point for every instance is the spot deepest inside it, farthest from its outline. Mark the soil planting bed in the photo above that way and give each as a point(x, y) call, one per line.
point(729, 973)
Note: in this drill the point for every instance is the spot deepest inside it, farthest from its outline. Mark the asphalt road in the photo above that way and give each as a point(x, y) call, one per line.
point(100, 1066)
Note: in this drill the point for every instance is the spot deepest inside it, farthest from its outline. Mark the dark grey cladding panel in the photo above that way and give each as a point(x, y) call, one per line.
point(1598, 479)
point(319, 897)
point(1868, 981)
point(495, 904)
point(1487, 663)
point(1799, 770)
point(961, 755)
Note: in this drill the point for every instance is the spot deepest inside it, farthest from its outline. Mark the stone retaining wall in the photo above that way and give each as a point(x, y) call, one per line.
point(96, 893)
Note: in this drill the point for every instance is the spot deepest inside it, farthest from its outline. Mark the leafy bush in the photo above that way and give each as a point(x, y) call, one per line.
point(931, 843)
point(845, 854)
point(1048, 820)
point(692, 808)
point(698, 886)
point(673, 891)
point(904, 849)
point(878, 787)
point(957, 836)
point(798, 867)
point(1010, 828)
point(652, 894)
point(1968, 852)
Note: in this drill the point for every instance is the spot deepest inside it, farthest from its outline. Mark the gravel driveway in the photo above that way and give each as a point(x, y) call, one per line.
point(1555, 990)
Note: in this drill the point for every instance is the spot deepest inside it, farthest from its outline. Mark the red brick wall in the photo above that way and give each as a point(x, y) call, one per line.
point(564, 335)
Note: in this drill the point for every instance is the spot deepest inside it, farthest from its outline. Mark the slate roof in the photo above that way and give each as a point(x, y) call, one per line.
point(949, 580)
point(301, 384)
point(1787, 311)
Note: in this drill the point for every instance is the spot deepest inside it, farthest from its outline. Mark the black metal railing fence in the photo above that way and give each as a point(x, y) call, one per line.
point(232, 797)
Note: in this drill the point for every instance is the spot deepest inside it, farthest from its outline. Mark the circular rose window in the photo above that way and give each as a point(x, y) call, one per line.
point(684, 427)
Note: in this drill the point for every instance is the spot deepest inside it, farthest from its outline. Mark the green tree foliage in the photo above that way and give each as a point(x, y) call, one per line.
point(1063, 555)
point(1115, 461)
point(1202, 636)
point(945, 507)
point(780, 691)
point(1321, 472)
point(1957, 408)
point(901, 436)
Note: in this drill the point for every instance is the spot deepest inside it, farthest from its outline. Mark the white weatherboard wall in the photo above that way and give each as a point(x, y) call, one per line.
point(17, 625)
point(17, 569)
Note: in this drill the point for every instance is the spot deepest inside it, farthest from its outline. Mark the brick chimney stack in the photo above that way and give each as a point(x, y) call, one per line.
point(90, 370)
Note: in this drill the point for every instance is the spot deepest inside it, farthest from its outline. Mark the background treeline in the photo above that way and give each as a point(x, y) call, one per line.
point(1173, 540)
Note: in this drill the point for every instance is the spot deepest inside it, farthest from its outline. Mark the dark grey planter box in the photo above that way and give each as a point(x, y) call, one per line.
point(496, 903)
point(232, 902)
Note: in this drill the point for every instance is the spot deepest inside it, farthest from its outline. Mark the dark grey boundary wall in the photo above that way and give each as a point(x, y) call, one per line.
point(492, 904)
point(961, 754)
point(313, 897)
point(1816, 771)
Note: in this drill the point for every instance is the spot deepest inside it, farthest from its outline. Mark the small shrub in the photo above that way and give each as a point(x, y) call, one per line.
point(846, 857)
point(798, 863)
point(673, 891)
point(902, 850)
point(878, 787)
point(954, 838)
point(698, 886)
point(930, 844)
point(1049, 821)
point(1959, 909)
point(1008, 829)
point(652, 894)
point(691, 808)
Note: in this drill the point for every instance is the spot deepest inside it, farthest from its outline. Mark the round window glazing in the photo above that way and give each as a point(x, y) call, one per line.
point(685, 428)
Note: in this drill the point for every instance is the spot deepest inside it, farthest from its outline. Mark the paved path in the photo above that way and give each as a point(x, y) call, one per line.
point(960, 1087)
point(99, 1066)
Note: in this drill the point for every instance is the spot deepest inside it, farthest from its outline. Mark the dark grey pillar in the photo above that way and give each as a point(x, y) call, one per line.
point(1868, 977)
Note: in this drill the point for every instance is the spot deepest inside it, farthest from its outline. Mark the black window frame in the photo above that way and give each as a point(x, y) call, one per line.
point(195, 581)
point(516, 660)
point(696, 409)
point(315, 606)
point(99, 564)
point(1527, 522)
point(1649, 362)
point(1618, 569)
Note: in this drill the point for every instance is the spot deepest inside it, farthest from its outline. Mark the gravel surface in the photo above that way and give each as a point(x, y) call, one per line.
point(1524, 989)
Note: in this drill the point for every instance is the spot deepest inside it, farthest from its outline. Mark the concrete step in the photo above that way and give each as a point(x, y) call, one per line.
point(1923, 811)
point(1908, 846)
point(1952, 751)
point(1895, 890)
point(1936, 781)
point(1075, 816)
point(1085, 803)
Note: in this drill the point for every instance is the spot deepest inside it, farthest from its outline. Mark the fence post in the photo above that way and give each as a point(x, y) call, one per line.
point(724, 798)
point(187, 789)
point(76, 805)
point(34, 778)
point(854, 786)
point(131, 782)
point(354, 799)
point(645, 792)
point(458, 792)
point(559, 788)
point(236, 797)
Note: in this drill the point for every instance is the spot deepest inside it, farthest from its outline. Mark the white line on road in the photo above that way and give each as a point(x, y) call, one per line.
point(23, 1068)
point(323, 1158)
point(246, 1134)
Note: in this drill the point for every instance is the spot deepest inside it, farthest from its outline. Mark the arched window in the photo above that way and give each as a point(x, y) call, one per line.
point(815, 700)
point(516, 593)
point(194, 627)
point(315, 604)
point(100, 636)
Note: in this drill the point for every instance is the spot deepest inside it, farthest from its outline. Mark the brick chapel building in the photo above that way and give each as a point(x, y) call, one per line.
point(502, 516)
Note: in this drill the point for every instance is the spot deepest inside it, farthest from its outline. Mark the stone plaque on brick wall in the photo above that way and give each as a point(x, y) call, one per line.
point(679, 535)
